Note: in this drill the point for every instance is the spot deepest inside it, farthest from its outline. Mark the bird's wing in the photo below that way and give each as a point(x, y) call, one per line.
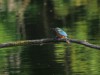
point(62, 33)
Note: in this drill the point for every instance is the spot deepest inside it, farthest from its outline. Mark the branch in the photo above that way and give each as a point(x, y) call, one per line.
point(46, 41)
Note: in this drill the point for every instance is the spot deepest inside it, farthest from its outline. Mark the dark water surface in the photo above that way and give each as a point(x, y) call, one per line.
point(80, 21)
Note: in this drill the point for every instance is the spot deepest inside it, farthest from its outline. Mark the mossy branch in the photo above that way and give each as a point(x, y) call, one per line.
point(47, 41)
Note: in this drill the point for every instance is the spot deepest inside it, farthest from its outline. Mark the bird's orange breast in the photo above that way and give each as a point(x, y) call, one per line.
point(60, 36)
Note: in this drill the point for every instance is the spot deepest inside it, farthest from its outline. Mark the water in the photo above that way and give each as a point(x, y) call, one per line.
point(80, 21)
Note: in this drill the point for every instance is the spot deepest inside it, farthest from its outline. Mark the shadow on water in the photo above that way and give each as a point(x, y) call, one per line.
point(38, 60)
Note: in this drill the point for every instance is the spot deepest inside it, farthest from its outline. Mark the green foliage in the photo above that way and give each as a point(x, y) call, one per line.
point(60, 7)
point(8, 32)
point(92, 9)
point(81, 29)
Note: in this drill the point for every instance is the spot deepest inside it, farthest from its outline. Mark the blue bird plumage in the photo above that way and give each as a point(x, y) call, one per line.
point(61, 34)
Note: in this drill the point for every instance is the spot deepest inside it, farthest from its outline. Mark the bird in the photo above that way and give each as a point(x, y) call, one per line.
point(61, 34)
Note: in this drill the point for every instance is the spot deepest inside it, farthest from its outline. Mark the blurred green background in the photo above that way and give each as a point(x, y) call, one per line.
point(32, 19)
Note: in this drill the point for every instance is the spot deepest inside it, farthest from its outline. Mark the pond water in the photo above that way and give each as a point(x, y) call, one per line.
point(76, 19)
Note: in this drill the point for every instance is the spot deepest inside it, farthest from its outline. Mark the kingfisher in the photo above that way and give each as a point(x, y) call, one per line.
point(61, 34)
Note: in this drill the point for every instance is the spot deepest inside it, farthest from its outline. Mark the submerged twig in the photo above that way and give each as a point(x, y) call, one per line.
point(46, 41)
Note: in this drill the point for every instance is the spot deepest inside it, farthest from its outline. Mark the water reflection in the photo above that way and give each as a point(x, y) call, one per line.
point(80, 21)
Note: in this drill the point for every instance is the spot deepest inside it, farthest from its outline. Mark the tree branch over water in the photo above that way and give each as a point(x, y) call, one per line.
point(47, 41)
